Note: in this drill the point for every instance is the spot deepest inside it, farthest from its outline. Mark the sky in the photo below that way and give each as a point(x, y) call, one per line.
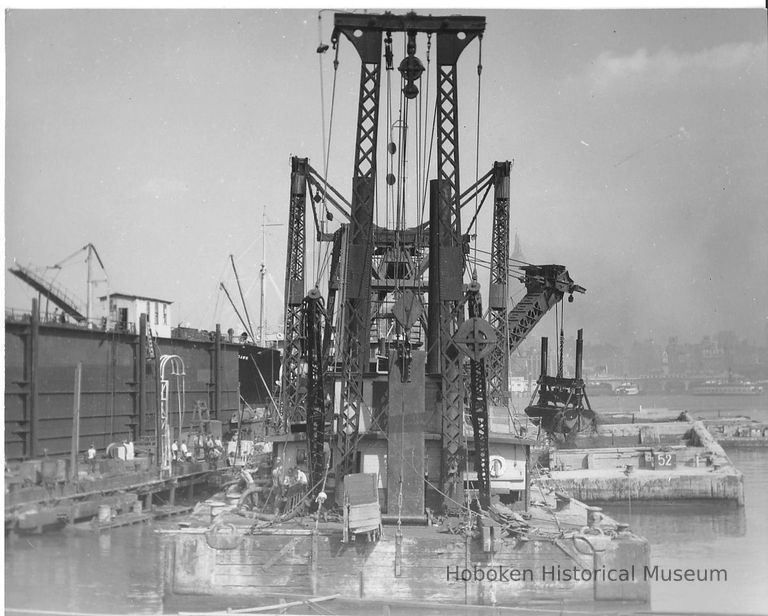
point(639, 142)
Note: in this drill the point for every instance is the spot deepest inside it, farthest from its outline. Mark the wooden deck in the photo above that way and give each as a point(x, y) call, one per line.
point(129, 519)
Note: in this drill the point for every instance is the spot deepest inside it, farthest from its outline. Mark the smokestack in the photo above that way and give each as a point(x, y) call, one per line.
point(544, 357)
point(579, 352)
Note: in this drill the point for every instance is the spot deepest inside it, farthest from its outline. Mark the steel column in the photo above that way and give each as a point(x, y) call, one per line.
point(478, 405)
point(356, 318)
point(140, 370)
point(30, 375)
point(497, 364)
point(451, 257)
point(292, 400)
point(312, 310)
point(217, 372)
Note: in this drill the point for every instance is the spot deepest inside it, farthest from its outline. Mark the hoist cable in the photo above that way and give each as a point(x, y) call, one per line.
point(477, 133)
point(322, 84)
point(477, 211)
point(330, 125)
point(418, 150)
point(389, 188)
point(509, 259)
point(427, 161)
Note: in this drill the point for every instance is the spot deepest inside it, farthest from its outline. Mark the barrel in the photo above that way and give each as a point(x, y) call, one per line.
point(105, 514)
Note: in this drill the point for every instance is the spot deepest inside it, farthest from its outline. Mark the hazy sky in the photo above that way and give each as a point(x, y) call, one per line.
point(639, 140)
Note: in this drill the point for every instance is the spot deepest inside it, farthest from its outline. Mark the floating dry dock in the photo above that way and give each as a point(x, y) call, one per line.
point(654, 454)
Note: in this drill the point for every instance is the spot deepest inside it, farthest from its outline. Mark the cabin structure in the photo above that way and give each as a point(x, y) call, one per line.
point(124, 312)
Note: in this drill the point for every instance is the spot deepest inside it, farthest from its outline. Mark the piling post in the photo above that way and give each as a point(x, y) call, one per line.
point(217, 372)
point(76, 422)
point(141, 375)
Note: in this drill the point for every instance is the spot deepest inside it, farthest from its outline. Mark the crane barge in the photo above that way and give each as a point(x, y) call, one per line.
point(394, 392)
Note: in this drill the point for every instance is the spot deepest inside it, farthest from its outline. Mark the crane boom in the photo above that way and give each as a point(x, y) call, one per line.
point(545, 285)
point(47, 288)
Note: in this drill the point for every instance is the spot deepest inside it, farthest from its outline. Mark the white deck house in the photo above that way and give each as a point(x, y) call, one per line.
point(125, 311)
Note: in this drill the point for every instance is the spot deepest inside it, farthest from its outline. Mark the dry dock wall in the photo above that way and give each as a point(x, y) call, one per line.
point(117, 399)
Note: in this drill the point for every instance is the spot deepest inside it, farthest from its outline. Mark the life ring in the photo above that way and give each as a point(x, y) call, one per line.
point(496, 466)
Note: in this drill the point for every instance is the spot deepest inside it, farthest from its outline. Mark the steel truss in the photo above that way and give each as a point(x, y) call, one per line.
point(497, 363)
point(312, 315)
point(451, 252)
point(293, 401)
point(545, 286)
point(353, 348)
point(478, 400)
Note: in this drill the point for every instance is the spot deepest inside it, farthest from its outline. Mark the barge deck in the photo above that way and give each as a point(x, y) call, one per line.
point(560, 553)
point(654, 454)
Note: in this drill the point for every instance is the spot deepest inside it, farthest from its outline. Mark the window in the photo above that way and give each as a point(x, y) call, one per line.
point(157, 313)
point(165, 314)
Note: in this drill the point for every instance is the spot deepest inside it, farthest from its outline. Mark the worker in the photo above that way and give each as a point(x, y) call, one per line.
point(199, 445)
point(299, 477)
point(296, 479)
point(250, 488)
point(295, 488)
point(175, 450)
point(185, 455)
point(277, 475)
point(92, 459)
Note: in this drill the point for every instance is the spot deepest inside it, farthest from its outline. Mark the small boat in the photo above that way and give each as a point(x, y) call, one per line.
point(627, 389)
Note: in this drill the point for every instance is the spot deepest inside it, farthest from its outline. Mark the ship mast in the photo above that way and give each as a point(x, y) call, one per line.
point(263, 268)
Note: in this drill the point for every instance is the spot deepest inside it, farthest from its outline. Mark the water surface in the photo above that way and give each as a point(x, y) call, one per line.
point(120, 572)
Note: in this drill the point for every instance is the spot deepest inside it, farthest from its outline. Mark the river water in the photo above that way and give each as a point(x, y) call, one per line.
point(121, 572)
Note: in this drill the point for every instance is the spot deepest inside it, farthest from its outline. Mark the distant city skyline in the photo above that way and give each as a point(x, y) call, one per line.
point(639, 141)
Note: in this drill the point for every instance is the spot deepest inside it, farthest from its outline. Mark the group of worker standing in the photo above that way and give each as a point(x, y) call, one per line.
point(286, 487)
point(201, 446)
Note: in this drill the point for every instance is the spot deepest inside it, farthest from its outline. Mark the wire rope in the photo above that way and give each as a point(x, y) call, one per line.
point(477, 134)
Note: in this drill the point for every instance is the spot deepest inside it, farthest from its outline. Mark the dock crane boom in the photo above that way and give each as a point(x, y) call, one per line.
point(57, 294)
point(545, 285)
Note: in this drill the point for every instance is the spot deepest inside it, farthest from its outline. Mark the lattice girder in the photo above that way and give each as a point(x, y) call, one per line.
point(292, 401)
point(478, 408)
point(497, 363)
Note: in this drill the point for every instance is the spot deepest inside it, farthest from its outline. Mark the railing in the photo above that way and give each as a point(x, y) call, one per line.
point(19, 315)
